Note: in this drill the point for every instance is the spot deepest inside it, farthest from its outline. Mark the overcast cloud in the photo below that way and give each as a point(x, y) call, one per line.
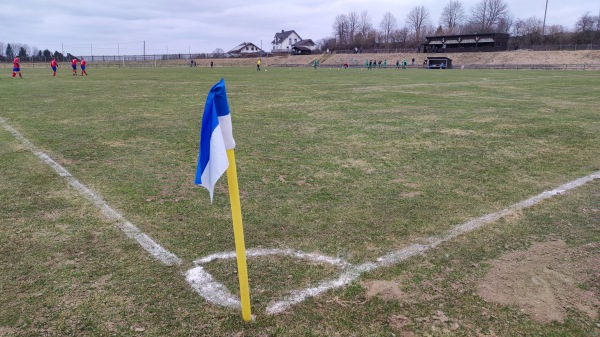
point(110, 27)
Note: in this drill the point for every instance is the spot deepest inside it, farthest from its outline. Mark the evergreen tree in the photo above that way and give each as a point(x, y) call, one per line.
point(22, 53)
point(10, 54)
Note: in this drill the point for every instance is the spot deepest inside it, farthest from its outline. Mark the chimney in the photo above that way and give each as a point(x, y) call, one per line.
point(282, 31)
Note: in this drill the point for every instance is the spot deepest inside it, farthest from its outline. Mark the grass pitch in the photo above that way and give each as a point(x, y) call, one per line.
point(346, 163)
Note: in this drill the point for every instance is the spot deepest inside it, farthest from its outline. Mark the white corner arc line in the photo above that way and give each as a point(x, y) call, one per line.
point(153, 248)
point(256, 252)
point(205, 285)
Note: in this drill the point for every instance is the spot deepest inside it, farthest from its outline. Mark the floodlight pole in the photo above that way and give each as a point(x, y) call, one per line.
point(544, 26)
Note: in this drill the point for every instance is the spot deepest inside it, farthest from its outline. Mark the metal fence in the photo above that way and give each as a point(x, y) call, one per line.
point(558, 47)
point(533, 66)
point(466, 66)
point(203, 56)
point(135, 58)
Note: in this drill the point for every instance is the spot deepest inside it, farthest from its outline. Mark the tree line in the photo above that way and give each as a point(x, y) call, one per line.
point(9, 51)
point(354, 30)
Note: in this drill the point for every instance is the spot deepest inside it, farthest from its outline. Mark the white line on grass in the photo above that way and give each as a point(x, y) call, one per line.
point(392, 258)
point(205, 285)
point(156, 250)
point(286, 252)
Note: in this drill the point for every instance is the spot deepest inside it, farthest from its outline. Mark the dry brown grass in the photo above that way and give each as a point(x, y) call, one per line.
point(509, 57)
point(516, 57)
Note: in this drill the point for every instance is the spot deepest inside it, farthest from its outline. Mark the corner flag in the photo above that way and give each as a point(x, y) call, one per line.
point(216, 155)
point(216, 136)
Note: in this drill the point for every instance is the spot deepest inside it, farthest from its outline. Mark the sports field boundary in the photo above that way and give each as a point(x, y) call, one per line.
point(157, 251)
point(215, 292)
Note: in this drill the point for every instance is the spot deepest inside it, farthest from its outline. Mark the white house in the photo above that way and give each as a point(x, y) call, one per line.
point(284, 41)
point(245, 49)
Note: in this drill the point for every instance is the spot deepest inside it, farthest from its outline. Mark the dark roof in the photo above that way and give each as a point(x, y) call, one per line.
point(307, 44)
point(304, 43)
point(283, 35)
point(467, 36)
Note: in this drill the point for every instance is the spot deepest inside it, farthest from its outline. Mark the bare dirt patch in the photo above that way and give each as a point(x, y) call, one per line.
point(387, 290)
point(545, 281)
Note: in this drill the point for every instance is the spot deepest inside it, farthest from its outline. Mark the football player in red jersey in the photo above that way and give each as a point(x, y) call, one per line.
point(16, 68)
point(54, 64)
point(83, 63)
point(74, 66)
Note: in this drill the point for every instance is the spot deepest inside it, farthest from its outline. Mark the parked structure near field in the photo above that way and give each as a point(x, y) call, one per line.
point(466, 43)
point(304, 47)
point(245, 49)
point(438, 63)
point(289, 42)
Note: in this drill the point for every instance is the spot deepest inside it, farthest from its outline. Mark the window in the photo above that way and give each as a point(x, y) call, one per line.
point(295, 40)
point(247, 48)
point(290, 40)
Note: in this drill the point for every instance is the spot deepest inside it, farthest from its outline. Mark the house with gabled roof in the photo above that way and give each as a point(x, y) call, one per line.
point(284, 41)
point(245, 49)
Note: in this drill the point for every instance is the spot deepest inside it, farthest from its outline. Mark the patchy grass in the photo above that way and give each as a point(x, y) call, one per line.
point(346, 163)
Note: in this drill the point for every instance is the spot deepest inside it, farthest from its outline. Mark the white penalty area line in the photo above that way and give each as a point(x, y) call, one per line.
point(153, 248)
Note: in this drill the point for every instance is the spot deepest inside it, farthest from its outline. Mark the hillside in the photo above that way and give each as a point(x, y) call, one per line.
point(492, 58)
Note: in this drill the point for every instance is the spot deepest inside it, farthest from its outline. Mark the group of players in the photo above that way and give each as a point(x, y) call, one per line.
point(53, 64)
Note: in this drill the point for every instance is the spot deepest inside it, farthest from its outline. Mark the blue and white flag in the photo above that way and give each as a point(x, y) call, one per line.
point(216, 137)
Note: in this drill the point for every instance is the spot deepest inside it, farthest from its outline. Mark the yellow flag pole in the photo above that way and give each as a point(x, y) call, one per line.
point(238, 233)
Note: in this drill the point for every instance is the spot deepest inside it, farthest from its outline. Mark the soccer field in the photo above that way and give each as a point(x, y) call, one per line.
point(337, 169)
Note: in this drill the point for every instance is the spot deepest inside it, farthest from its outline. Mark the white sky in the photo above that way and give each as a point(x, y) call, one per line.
point(111, 27)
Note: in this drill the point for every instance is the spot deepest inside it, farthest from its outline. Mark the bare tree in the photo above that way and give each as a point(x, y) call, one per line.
point(218, 52)
point(364, 23)
point(35, 51)
point(518, 27)
point(417, 19)
point(532, 28)
point(388, 25)
point(505, 24)
point(585, 23)
point(452, 16)
point(2, 46)
point(340, 29)
point(400, 36)
point(353, 24)
point(486, 15)
point(555, 34)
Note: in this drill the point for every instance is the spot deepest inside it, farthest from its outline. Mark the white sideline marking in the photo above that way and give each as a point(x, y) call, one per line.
point(205, 285)
point(392, 258)
point(156, 250)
